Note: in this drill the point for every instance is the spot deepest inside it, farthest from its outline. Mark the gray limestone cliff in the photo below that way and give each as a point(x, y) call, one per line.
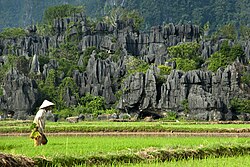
point(197, 94)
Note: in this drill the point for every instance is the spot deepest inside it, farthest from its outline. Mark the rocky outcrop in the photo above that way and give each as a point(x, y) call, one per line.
point(29, 46)
point(35, 67)
point(206, 94)
point(75, 119)
point(100, 78)
point(247, 49)
point(20, 94)
point(197, 94)
point(104, 37)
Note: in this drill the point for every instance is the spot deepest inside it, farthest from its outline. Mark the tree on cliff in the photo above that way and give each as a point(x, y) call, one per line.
point(60, 11)
point(119, 13)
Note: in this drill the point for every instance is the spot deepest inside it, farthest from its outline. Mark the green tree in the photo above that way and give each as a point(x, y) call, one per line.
point(60, 11)
point(227, 31)
point(225, 56)
point(48, 88)
point(187, 50)
point(185, 64)
point(236, 51)
point(134, 65)
point(164, 70)
point(186, 55)
point(245, 78)
point(119, 13)
point(136, 16)
point(240, 105)
point(245, 32)
point(91, 104)
point(216, 61)
point(68, 86)
point(13, 33)
point(206, 28)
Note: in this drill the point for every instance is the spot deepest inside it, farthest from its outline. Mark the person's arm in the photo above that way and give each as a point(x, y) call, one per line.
point(40, 124)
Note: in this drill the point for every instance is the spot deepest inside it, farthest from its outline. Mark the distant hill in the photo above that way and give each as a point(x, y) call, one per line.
point(20, 13)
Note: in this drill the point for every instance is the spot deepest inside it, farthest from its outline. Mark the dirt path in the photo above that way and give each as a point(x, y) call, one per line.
point(181, 134)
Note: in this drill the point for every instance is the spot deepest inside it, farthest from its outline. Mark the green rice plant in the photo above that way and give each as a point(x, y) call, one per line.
point(106, 126)
point(237, 161)
point(93, 145)
point(108, 150)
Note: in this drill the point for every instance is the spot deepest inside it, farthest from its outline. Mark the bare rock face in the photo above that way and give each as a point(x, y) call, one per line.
point(29, 45)
point(202, 95)
point(207, 94)
point(132, 92)
point(35, 67)
point(20, 94)
point(100, 78)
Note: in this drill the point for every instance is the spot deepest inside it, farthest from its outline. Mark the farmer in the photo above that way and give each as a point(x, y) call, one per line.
point(39, 121)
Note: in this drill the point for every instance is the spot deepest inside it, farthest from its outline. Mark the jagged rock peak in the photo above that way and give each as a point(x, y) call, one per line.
point(35, 67)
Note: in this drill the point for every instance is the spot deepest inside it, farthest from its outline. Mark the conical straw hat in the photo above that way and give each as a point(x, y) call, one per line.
point(46, 103)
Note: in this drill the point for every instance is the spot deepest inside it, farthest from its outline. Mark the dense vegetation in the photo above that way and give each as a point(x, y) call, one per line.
point(215, 12)
point(108, 126)
point(186, 56)
point(60, 12)
point(225, 56)
point(70, 150)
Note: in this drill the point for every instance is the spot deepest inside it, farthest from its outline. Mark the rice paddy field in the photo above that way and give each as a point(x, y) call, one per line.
point(105, 126)
point(75, 145)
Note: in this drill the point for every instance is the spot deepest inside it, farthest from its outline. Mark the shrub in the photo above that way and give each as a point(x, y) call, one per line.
point(164, 70)
point(136, 65)
point(90, 104)
point(186, 55)
point(119, 13)
point(13, 33)
point(1, 93)
point(19, 62)
point(48, 88)
point(102, 55)
point(64, 113)
point(185, 64)
point(6, 66)
point(240, 105)
point(216, 61)
point(86, 55)
point(236, 51)
point(225, 56)
point(185, 106)
point(187, 50)
point(43, 60)
point(226, 31)
point(245, 32)
point(116, 56)
point(171, 116)
point(60, 11)
point(246, 78)
point(68, 50)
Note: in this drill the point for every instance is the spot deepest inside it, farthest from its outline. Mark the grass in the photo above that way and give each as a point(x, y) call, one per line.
point(238, 161)
point(122, 150)
point(87, 146)
point(105, 126)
